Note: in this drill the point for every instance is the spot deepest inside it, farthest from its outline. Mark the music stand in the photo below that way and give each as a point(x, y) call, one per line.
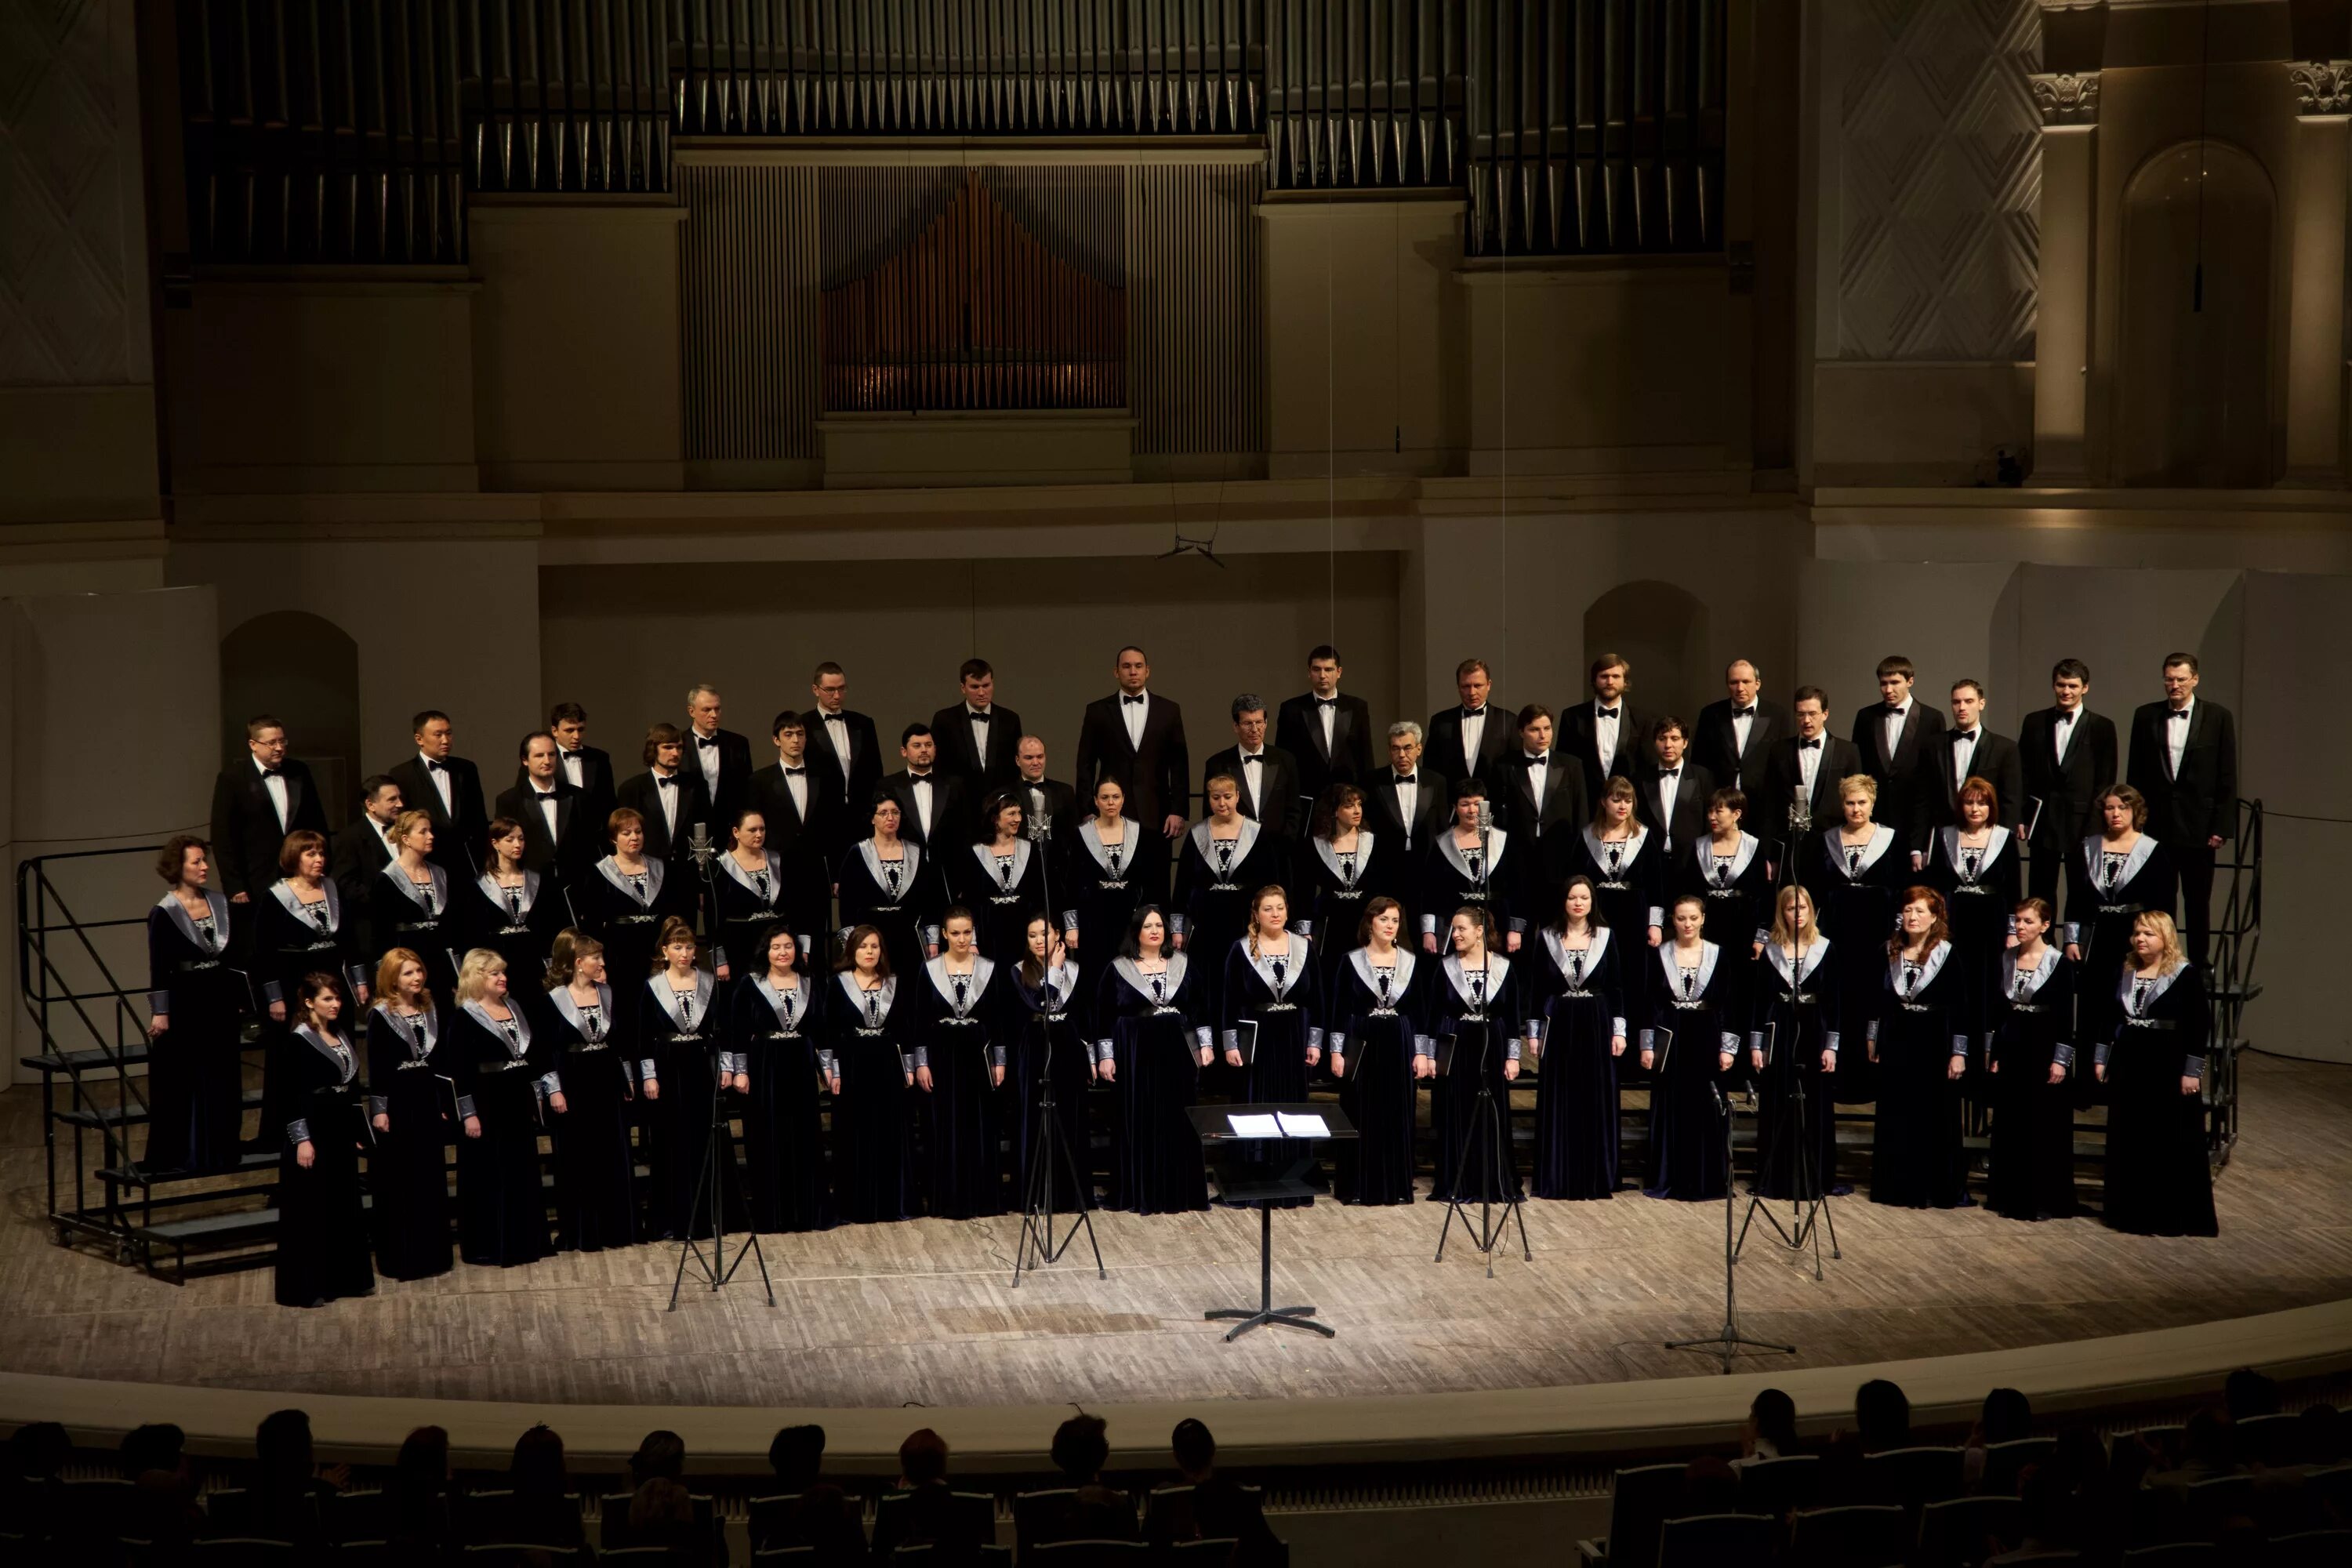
point(1048, 1149)
point(1246, 1177)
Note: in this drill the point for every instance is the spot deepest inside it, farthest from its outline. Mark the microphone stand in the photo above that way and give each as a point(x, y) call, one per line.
point(1047, 1147)
point(1726, 1343)
point(1487, 1120)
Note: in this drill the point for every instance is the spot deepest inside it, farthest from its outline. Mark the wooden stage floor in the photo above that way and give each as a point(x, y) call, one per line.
point(924, 1313)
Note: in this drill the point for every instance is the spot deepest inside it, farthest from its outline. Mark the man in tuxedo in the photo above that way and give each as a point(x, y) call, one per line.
point(1542, 801)
point(1896, 738)
point(1813, 761)
point(1405, 802)
point(1138, 739)
point(560, 831)
point(1268, 774)
point(1671, 793)
point(2184, 760)
point(976, 736)
point(448, 789)
point(1327, 732)
point(1467, 740)
point(1607, 735)
point(721, 756)
point(1042, 799)
point(798, 797)
point(1735, 736)
point(1967, 750)
point(847, 743)
point(586, 768)
point(933, 810)
point(256, 804)
point(2069, 757)
point(668, 795)
point(360, 851)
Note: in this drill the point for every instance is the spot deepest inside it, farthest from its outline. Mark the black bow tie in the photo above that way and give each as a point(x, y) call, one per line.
point(671, 782)
point(1137, 701)
point(433, 767)
point(919, 779)
point(1809, 745)
point(795, 773)
point(1406, 778)
point(1748, 713)
point(572, 753)
point(706, 740)
point(1894, 710)
point(1254, 757)
point(1538, 759)
point(1669, 773)
point(546, 794)
point(2176, 713)
point(2066, 715)
point(1604, 712)
point(1473, 712)
point(273, 772)
point(1968, 735)
point(975, 715)
point(1327, 702)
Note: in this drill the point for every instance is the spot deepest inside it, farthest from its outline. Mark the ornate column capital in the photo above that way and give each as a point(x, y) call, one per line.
point(2065, 98)
point(2321, 87)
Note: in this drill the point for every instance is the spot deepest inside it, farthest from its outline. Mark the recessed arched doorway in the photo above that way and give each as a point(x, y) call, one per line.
point(304, 671)
point(1661, 631)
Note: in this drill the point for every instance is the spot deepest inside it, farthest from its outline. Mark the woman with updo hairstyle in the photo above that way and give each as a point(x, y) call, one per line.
point(513, 911)
point(2159, 1176)
point(1857, 877)
point(1271, 1003)
point(623, 902)
point(596, 1057)
point(304, 927)
point(2030, 1051)
point(748, 894)
point(1000, 876)
point(683, 1024)
point(2114, 876)
point(1379, 1054)
point(1154, 1030)
point(197, 1003)
point(1223, 860)
point(865, 1021)
point(1102, 880)
point(411, 902)
point(1478, 999)
point(1699, 1004)
point(1344, 866)
point(960, 1018)
point(1796, 1035)
point(887, 881)
point(411, 1102)
point(1928, 1009)
point(1577, 986)
point(1054, 1009)
point(507, 1082)
point(315, 1109)
point(771, 1026)
point(1974, 863)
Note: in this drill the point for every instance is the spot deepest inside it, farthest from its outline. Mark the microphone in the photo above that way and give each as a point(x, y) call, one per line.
point(1800, 810)
point(1486, 814)
point(700, 848)
point(1034, 829)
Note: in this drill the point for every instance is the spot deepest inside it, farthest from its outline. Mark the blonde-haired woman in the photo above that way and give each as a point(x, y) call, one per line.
point(1857, 877)
point(411, 902)
point(1793, 1038)
point(686, 1053)
point(411, 1078)
point(595, 1201)
point(2159, 1179)
point(506, 1081)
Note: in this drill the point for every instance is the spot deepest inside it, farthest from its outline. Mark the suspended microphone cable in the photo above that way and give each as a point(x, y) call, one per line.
point(2204, 78)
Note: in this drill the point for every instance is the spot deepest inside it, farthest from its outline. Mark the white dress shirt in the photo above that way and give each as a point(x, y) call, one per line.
point(921, 788)
point(547, 799)
point(1964, 751)
point(1133, 715)
point(2062, 731)
point(439, 774)
point(1408, 799)
point(668, 799)
point(1670, 782)
point(1474, 730)
point(706, 759)
point(836, 726)
point(1327, 714)
point(1892, 725)
point(979, 727)
point(1604, 734)
point(576, 767)
point(1539, 775)
point(2176, 725)
point(1808, 760)
point(1743, 723)
point(1254, 781)
point(796, 786)
point(274, 781)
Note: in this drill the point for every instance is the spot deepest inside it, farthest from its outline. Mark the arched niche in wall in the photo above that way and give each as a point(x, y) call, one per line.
point(2193, 362)
point(1661, 631)
point(304, 671)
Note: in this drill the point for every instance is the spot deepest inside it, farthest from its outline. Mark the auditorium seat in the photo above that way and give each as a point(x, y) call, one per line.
point(356, 1516)
point(922, 1553)
point(1638, 1500)
point(767, 1516)
point(1780, 1487)
point(1085, 1554)
point(2311, 1549)
point(2174, 1554)
point(784, 1554)
point(1030, 1509)
point(1210, 1552)
point(1958, 1532)
point(99, 1509)
point(523, 1554)
point(367, 1554)
point(243, 1551)
point(1858, 1535)
point(228, 1511)
point(2004, 1462)
point(2270, 1439)
point(1715, 1540)
point(613, 1520)
point(1913, 1478)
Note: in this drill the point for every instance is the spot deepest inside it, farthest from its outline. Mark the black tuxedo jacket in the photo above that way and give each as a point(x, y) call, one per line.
point(246, 833)
point(788, 829)
point(1441, 750)
point(1158, 776)
point(596, 785)
point(2203, 802)
point(643, 796)
point(1298, 729)
point(1279, 791)
point(1566, 802)
point(951, 729)
point(1692, 792)
point(1431, 809)
point(1711, 745)
point(734, 775)
point(359, 857)
point(1768, 819)
point(1996, 759)
point(2065, 790)
point(1576, 736)
point(458, 830)
point(1057, 804)
point(951, 813)
point(865, 773)
point(579, 840)
point(1904, 784)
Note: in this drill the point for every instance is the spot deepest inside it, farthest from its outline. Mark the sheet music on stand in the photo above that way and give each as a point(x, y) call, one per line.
point(1248, 1173)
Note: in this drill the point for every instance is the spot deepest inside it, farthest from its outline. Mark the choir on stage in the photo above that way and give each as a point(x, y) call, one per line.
point(818, 993)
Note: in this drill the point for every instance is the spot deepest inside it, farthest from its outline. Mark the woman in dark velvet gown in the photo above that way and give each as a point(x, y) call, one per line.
point(893, 886)
point(1928, 1009)
point(1857, 877)
point(1727, 869)
point(413, 1096)
point(771, 1024)
point(2029, 1052)
point(1222, 861)
point(509, 1083)
point(596, 1057)
point(1056, 1011)
point(1381, 1053)
point(303, 927)
point(316, 1112)
point(195, 1078)
point(1101, 884)
point(2159, 1180)
point(1974, 866)
point(750, 893)
point(1270, 993)
point(1698, 992)
point(1794, 1040)
point(623, 901)
point(2112, 877)
point(1154, 1041)
point(1576, 986)
point(411, 904)
point(961, 1018)
point(1001, 879)
point(1627, 864)
point(1477, 999)
point(1464, 868)
point(864, 1027)
point(1343, 867)
point(513, 913)
point(683, 1025)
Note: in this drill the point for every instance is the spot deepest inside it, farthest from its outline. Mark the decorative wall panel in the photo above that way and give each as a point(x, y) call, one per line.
point(748, 283)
